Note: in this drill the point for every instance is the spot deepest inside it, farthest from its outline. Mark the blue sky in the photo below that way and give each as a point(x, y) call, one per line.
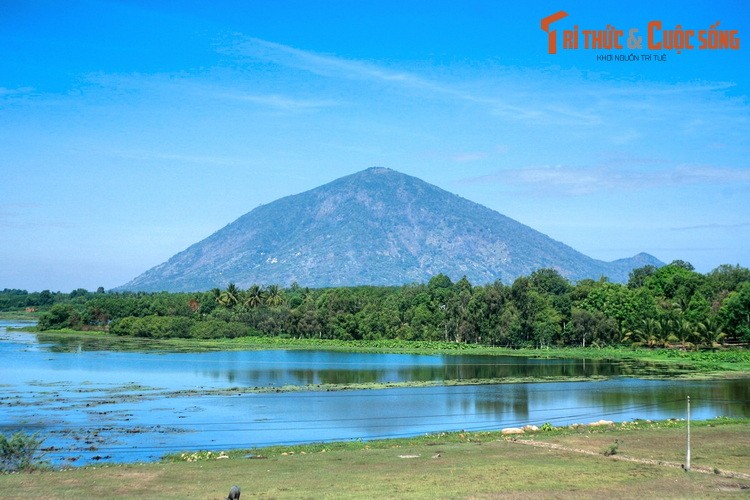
point(130, 130)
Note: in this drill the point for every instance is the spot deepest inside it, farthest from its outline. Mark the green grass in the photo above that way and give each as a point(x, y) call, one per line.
point(456, 465)
point(19, 315)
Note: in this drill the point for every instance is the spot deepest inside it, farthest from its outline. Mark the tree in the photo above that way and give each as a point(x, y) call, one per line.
point(274, 296)
point(683, 331)
point(735, 313)
point(546, 327)
point(230, 297)
point(255, 296)
point(697, 309)
point(459, 325)
point(592, 328)
point(535, 313)
point(440, 281)
point(710, 331)
point(615, 301)
point(78, 292)
point(60, 316)
point(637, 277)
point(648, 332)
point(683, 264)
point(549, 281)
point(45, 298)
point(725, 279)
point(675, 280)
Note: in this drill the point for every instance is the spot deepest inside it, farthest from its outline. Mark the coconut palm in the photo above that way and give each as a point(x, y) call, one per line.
point(230, 297)
point(648, 332)
point(666, 326)
point(254, 296)
point(710, 331)
point(274, 296)
point(684, 331)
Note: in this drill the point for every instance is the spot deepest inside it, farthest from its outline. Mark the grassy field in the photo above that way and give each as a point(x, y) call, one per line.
point(19, 316)
point(561, 463)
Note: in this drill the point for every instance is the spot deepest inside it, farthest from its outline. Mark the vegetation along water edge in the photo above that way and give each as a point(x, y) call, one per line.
point(610, 460)
point(671, 306)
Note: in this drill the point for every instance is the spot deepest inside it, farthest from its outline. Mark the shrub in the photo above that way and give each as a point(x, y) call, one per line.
point(212, 329)
point(611, 449)
point(60, 316)
point(20, 453)
point(158, 327)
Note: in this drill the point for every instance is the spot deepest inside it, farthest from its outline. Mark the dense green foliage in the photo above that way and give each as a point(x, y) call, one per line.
point(20, 452)
point(671, 305)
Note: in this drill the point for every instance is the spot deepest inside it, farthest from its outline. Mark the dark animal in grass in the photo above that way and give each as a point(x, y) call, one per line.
point(234, 493)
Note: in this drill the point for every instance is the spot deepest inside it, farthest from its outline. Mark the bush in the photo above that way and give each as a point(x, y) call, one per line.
point(20, 453)
point(213, 329)
point(611, 449)
point(164, 327)
point(60, 316)
point(158, 327)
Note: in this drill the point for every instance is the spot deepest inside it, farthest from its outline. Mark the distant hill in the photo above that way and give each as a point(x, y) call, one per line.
point(375, 227)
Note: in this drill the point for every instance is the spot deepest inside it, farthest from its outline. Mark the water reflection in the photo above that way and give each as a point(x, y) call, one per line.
point(260, 369)
point(123, 405)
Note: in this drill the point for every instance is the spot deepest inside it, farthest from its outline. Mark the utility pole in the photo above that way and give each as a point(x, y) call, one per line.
point(687, 459)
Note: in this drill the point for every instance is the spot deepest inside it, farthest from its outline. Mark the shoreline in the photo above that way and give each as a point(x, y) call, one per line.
point(679, 364)
point(618, 460)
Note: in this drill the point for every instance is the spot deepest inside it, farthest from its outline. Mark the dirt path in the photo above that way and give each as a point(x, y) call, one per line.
point(625, 458)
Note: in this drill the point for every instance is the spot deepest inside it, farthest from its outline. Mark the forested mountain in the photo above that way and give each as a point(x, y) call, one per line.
point(375, 227)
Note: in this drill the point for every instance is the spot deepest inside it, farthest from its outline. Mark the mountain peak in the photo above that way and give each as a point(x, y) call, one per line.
point(379, 170)
point(374, 227)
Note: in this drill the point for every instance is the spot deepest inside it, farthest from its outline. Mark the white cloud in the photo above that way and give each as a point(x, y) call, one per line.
point(281, 102)
point(330, 66)
point(532, 97)
point(201, 88)
point(739, 225)
point(575, 181)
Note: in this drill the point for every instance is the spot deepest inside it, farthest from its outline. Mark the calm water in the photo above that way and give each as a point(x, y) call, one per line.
point(134, 406)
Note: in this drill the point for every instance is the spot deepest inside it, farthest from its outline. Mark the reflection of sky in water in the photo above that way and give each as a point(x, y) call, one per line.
point(276, 368)
point(62, 392)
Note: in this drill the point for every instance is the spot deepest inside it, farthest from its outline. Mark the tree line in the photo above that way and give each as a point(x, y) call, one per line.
point(670, 305)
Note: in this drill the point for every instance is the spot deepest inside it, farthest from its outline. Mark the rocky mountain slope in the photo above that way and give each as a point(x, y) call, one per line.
point(375, 227)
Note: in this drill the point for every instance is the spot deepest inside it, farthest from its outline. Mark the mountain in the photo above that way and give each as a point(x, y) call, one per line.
point(375, 227)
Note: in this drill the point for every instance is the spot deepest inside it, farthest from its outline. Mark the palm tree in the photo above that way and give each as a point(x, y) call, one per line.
point(666, 325)
point(254, 296)
point(230, 297)
point(683, 331)
point(681, 305)
point(274, 296)
point(648, 332)
point(216, 294)
point(710, 331)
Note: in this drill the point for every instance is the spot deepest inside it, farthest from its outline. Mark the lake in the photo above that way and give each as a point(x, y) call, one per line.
point(92, 404)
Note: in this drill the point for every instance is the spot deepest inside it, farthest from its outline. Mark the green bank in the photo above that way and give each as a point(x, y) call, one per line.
point(546, 464)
